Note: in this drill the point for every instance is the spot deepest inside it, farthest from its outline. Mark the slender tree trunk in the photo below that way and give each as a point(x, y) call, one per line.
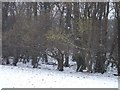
point(118, 26)
point(66, 64)
point(15, 61)
point(34, 62)
point(60, 62)
point(61, 65)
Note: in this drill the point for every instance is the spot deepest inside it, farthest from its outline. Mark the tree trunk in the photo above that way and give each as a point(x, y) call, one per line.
point(100, 63)
point(60, 62)
point(80, 62)
point(34, 62)
point(15, 60)
point(118, 68)
point(35, 9)
point(61, 65)
point(45, 58)
point(66, 64)
point(7, 61)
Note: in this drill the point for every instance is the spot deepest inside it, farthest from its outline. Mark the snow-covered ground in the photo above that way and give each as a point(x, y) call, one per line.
point(47, 76)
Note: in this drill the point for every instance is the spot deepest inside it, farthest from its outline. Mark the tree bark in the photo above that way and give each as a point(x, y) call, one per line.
point(66, 64)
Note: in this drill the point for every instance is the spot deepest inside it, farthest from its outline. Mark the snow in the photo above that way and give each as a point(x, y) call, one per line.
point(24, 76)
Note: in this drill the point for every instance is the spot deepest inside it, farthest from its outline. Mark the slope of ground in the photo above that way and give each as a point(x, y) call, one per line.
point(24, 77)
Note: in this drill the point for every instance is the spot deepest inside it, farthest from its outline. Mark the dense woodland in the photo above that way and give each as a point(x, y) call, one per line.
point(86, 30)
